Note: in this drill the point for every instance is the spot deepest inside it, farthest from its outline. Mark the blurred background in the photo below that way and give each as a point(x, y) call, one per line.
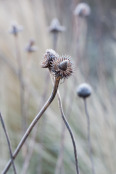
point(90, 40)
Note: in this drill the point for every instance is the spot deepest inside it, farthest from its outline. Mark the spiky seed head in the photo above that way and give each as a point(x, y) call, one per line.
point(62, 67)
point(31, 46)
point(82, 10)
point(49, 56)
point(55, 26)
point(15, 28)
point(84, 90)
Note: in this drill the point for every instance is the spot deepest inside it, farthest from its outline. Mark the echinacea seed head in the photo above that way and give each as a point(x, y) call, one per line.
point(49, 56)
point(84, 90)
point(15, 29)
point(82, 10)
point(55, 26)
point(62, 67)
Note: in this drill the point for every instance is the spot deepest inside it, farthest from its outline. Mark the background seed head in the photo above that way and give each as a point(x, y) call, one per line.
point(15, 28)
point(82, 10)
point(84, 90)
point(31, 46)
point(55, 26)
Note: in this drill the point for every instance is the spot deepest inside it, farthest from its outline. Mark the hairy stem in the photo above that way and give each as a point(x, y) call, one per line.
point(9, 145)
point(56, 83)
point(89, 137)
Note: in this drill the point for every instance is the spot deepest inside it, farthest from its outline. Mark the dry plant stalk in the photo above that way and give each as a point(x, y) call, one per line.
point(84, 91)
point(9, 145)
point(33, 123)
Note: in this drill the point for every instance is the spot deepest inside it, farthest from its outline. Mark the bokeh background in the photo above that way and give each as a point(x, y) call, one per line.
point(91, 43)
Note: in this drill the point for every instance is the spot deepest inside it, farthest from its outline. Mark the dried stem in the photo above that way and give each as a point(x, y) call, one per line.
point(56, 83)
point(9, 145)
point(89, 137)
point(30, 150)
point(70, 131)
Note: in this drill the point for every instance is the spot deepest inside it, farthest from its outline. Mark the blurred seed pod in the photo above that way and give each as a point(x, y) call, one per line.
point(55, 26)
point(15, 28)
point(82, 10)
point(84, 90)
point(49, 56)
point(62, 67)
point(31, 46)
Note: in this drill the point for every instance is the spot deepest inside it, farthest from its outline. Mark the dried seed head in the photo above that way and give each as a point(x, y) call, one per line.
point(84, 90)
point(31, 46)
point(55, 26)
point(62, 67)
point(49, 56)
point(15, 29)
point(82, 10)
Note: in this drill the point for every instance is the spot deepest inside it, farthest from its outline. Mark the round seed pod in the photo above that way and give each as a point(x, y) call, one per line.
point(62, 67)
point(84, 90)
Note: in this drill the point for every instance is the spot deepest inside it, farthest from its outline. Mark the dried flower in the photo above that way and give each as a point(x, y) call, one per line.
point(84, 90)
point(49, 56)
point(15, 29)
point(62, 67)
point(31, 46)
point(55, 26)
point(82, 10)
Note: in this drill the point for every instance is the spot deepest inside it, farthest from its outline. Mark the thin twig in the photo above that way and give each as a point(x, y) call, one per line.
point(31, 148)
point(33, 123)
point(89, 137)
point(70, 131)
point(9, 145)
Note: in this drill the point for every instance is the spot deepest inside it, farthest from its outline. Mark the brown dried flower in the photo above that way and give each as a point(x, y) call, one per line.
point(49, 56)
point(62, 67)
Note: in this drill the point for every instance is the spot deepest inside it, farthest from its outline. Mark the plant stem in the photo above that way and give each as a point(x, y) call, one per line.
point(9, 145)
point(35, 120)
point(70, 131)
point(31, 148)
point(89, 137)
point(55, 39)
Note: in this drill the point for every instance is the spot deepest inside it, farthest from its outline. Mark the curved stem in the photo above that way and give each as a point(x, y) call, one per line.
point(56, 83)
point(8, 141)
point(70, 131)
point(89, 137)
